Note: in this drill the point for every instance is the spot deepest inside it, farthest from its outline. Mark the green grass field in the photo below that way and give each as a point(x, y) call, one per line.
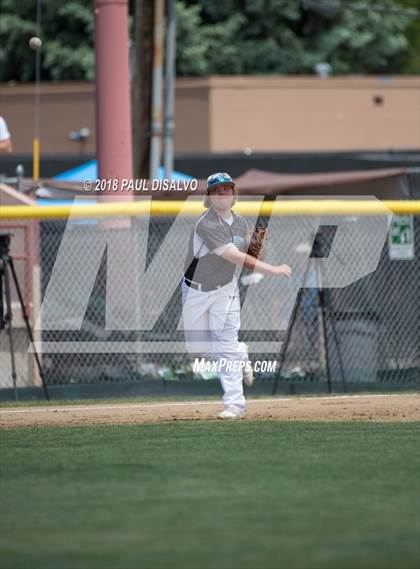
point(211, 495)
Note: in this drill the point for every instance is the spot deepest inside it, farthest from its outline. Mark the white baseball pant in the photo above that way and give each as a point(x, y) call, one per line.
point(211, 322)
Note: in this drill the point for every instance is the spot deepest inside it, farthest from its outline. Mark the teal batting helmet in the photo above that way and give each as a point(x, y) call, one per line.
point(218, 179)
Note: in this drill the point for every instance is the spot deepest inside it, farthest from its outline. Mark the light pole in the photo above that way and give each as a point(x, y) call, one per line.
point(35, 43)
point(36, 130)
point(156, 134)
point(112, 94)
point(168, 131)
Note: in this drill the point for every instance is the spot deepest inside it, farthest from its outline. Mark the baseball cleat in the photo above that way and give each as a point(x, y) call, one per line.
point(231, 413)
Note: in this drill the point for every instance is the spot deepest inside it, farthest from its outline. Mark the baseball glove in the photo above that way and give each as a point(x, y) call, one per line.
point(257, 244)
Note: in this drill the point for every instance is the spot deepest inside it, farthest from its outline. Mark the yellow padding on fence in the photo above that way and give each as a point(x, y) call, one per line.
point(193, 207)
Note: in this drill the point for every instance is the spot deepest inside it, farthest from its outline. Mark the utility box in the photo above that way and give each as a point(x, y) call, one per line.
point(357, 336)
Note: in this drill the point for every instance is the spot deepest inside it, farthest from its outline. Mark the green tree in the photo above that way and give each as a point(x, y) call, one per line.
point(291, 36)
point(409, 59)
point(229, 37)
point(67, 35)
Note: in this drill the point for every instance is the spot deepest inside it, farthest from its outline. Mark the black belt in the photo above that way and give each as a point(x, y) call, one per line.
point(202, 287)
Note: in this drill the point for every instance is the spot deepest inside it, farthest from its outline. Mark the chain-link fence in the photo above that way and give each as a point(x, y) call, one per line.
point(365, 333)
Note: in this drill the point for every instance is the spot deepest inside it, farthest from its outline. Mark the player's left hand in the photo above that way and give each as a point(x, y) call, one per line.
point(283, 270)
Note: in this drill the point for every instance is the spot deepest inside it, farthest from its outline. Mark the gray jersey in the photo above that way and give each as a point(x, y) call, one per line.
point(211, 236)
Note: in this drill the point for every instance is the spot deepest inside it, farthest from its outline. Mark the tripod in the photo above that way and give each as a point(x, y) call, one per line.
point(6, 316)
point(326, 307)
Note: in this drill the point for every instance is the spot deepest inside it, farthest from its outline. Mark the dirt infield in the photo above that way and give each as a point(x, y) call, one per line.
point(395, 407)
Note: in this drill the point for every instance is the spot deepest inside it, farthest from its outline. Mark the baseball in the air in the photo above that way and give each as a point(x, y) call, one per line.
point(35, 43)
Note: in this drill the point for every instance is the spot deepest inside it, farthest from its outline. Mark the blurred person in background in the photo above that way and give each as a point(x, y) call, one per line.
point(5, 138)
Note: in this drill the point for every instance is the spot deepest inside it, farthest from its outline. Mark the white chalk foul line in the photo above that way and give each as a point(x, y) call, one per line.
point(115, 406)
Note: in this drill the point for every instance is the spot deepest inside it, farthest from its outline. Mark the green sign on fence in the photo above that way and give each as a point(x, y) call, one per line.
point(401, 237)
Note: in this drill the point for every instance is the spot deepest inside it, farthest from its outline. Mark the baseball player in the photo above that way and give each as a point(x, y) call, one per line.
point(5, 138)
point(210, 296)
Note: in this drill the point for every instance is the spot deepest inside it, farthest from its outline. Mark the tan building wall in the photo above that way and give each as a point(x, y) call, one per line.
point(309, 113)
point(192, 116)
point(218, 114)
point(63, 107)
